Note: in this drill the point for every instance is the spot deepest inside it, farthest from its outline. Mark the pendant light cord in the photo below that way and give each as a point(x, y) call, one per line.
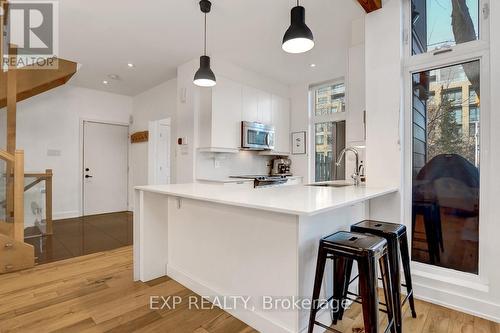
point(205, 37)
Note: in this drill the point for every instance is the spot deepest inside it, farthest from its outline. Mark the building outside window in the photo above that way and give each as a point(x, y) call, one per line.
point(329, 99)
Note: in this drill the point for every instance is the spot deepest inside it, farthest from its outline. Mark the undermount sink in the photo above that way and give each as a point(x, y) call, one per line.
point(331, 184)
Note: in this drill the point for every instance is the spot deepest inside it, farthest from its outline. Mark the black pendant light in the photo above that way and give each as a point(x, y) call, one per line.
point(204, 77)
point(298, 38)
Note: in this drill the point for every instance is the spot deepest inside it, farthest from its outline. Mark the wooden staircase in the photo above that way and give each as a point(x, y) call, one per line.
point(17, 84)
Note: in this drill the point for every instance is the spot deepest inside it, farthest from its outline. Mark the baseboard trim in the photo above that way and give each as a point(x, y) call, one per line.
point(458, 302)
point(65, 215)
point(252, 318)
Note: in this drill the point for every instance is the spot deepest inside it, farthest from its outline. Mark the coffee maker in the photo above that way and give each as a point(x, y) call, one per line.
point(281, 167)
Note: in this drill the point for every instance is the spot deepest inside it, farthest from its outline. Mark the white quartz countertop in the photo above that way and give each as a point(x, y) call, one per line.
point(295, 200)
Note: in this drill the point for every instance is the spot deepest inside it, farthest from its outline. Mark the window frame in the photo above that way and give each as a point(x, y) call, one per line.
point(459, 49)
point(314, 119)
point(461, 53)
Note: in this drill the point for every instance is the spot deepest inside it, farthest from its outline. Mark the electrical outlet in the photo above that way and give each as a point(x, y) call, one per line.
point(217, 163)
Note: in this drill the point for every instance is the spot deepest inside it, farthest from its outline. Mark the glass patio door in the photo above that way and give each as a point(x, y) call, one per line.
point(446, 166)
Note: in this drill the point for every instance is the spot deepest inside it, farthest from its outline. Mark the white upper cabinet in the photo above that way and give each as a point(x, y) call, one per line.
point(226, 114)
point(223, 107)
point(356, 96)
point(220, 116)
point(250, 104)
point(257, 105)
point(265, 110)
point(281, 122)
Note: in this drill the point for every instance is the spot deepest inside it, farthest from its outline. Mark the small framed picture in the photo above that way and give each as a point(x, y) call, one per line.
point(298, 143)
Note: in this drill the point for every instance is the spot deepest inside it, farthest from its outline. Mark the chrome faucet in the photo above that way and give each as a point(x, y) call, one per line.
point(356, 175)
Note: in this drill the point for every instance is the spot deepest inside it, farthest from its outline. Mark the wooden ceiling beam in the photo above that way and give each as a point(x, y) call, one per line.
point(370, 5)
point(32, 81)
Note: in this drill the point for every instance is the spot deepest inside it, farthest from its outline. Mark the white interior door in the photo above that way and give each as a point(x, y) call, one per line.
point(105, 168)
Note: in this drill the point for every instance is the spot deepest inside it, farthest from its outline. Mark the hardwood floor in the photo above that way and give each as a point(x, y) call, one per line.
point(83, 235)
point(95, 293)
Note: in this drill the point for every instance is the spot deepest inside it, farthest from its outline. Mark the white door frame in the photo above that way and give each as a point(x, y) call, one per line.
point(81, 159)
point(153, 148)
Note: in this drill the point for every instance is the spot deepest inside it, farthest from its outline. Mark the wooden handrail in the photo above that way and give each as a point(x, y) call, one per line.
point(19, 196)
point(43, 176)
point(6, 156)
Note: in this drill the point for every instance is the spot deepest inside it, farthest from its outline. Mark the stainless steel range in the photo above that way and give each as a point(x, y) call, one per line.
point(264, 180)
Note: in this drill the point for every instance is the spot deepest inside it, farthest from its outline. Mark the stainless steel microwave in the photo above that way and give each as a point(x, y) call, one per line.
point(257, 136)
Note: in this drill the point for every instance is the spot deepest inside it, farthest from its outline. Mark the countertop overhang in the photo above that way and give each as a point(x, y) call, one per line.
point(294, 200)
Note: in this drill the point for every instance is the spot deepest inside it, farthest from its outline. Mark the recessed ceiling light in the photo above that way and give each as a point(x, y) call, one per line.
point(130, 65)
point(105, 82)
point(312, 65)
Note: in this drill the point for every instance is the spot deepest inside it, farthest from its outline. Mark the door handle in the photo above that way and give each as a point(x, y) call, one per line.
point(88, 176)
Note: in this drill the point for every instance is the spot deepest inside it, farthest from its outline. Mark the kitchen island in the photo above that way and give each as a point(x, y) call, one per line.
point(259, 245)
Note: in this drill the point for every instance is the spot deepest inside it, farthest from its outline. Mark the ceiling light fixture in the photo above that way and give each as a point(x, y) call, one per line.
point(312, 65)
point(105, 82)
point(130, 65)
point(298, 38)
point(205, 77)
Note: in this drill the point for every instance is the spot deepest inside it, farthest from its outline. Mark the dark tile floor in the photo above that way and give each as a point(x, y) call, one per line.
point(84, 235)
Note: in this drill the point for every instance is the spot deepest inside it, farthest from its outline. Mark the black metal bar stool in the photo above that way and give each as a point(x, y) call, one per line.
point(431, 214)
point(343, 248)
point(397, 245)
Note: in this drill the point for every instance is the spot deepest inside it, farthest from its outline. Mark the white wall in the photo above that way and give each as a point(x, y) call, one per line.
point(383, 104)
point(302, 164)
point(51, 121)
point(154, 104)
point(186, 126)
point(300, 123)
point(188, 104)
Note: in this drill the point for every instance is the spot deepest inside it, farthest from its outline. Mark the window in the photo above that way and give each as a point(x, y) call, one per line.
point(330, 99)
point(454, 96)
point(473, 114)
point(445, 168)
point(320, 138)
point(458, 116)
point(330, 140)
point(439, 24)
point(447, 44)
point(328, 123)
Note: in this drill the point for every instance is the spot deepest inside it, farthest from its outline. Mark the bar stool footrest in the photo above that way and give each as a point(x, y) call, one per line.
point(328, 328)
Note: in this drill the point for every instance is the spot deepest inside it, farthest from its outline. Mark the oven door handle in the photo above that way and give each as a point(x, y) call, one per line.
point(268, 143)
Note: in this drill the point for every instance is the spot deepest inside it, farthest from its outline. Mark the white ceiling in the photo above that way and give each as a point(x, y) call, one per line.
point(158, 35)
